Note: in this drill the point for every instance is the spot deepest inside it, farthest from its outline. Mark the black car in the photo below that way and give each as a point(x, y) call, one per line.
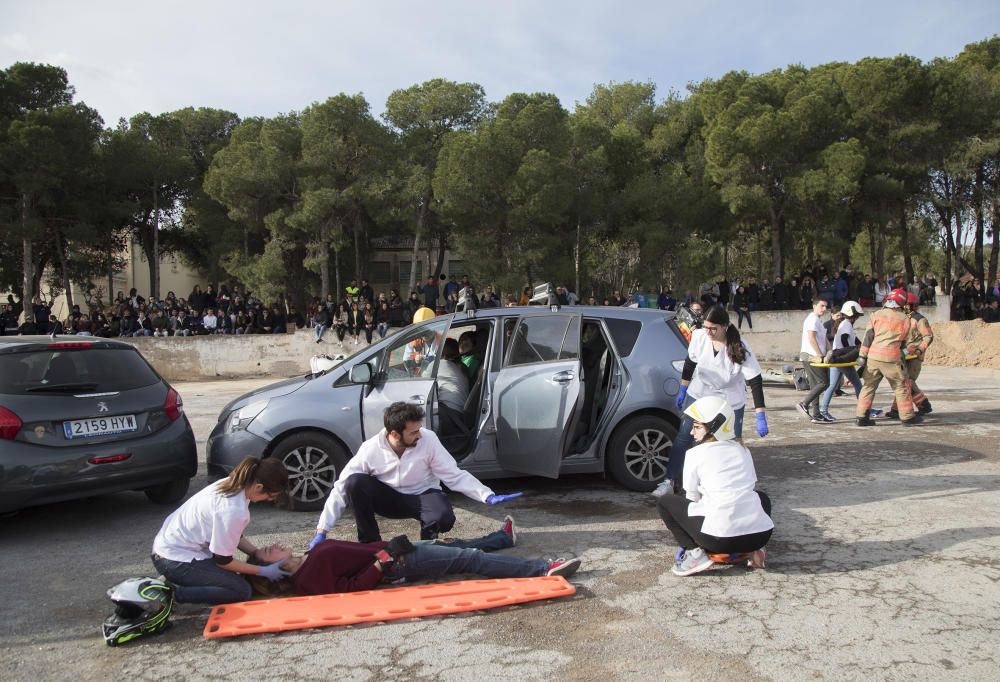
point(81, 416)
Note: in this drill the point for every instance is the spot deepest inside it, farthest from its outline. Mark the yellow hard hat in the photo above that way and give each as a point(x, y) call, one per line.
point(423, 314)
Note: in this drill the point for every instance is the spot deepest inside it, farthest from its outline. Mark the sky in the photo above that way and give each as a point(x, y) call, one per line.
point(262, 58)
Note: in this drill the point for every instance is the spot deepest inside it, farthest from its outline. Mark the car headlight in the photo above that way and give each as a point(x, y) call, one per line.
point(240, 419)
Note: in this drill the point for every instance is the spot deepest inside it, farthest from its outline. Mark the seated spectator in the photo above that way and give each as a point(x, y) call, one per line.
point(194, 323)
point(126, 325)
point(242, 323)
point(263, 322)
point(101, 327)
point(143, 326)
point(159, 324)
point(280, 324)
point(321, 322)
point(991, 313)
point(343, 322)
point(357, 322)
point(227, 324)
point(382, 315)
point(55, 326)
point(368, 321)
point(295, 317)
point(210, 322)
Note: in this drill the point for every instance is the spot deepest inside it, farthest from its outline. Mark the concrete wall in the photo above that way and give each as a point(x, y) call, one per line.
point(209, 357)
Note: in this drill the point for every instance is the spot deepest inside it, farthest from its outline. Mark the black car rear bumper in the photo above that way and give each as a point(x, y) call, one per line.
point(32, 474)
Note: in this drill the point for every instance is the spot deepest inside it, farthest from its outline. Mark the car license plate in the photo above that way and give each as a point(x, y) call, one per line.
point(100, 426)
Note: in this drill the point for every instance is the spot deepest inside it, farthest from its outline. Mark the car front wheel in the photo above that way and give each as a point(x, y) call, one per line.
point(639, 451)
point(313, 460)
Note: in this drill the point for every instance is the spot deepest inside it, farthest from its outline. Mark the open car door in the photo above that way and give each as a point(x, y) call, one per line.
point(405, 373)
point(537, 394)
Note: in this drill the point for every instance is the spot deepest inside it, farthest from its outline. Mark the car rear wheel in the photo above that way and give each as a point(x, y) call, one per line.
point(314, 460)
point(168, 493)
point(639, 451)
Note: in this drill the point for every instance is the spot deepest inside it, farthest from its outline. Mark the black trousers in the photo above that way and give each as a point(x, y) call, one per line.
point(687, 529)
point(369, 496)
point(819, 380)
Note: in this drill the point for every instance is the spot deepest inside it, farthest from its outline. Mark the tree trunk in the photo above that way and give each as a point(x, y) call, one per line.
point(576, 260)
point(995, 249)
point(63, 270)
point(356, 232)
point(880, 250)
point(777, 239)
point(980, 225)
point(336, 272)
point(154, 261)
point(904, 236)
point(111, 279)
point(442, 247)
point(28, 291)
point(871, 247)
point(324, 266)
point(416, 246)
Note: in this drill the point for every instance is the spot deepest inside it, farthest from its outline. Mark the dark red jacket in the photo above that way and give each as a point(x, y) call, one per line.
point(338, 566)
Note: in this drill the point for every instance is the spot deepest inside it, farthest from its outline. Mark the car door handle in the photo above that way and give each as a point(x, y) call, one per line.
point(416, 400)
point(563, 377)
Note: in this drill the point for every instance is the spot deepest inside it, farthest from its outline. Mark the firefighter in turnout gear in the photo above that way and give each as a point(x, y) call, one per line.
point(920, 337)
point(882, 356)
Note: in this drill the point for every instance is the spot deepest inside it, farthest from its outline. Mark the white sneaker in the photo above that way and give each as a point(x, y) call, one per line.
point(666, 487)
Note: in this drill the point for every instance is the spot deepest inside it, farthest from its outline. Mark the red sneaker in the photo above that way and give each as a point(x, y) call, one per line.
point(510, 529)
point(563, 567)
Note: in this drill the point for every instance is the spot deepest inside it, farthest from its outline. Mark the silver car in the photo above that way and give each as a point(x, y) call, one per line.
point(552, 391)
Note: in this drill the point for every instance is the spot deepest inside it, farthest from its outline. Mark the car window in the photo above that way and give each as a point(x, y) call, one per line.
point(93, 370)
point(624, 333)
point(414, 355)
point(540, 339)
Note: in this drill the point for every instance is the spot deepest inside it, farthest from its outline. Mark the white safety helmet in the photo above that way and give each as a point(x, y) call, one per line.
point(716, 414)
point(851, 309)
point(142, 607)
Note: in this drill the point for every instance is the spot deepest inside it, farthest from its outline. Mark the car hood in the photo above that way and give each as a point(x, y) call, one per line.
point(274, 390)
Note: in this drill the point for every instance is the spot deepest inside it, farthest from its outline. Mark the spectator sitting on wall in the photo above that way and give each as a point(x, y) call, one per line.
point(489, 300)
point(280, 321)
point(210, 322)
point(159, 324)
point(666, 300)
point(55, 326)
point(295, 317)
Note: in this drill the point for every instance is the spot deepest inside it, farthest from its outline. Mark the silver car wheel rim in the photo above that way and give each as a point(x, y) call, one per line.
point(310, 473)
point(646, 454)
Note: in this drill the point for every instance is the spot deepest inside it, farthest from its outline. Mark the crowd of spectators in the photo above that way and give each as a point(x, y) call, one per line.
point(201, 313)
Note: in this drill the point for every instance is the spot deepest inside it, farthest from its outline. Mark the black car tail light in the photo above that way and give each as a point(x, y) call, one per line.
point(174, 407)
point(10, 424)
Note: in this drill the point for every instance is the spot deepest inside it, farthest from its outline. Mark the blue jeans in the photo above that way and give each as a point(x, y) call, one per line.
point(434, 558)
point(835, 372)
point(684, 441)
point(203, 581)
point(320, 330)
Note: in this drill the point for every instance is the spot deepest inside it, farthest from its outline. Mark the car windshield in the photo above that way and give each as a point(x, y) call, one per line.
point(61, 371)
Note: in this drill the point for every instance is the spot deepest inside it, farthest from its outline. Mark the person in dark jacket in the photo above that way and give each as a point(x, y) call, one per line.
point(742, 307)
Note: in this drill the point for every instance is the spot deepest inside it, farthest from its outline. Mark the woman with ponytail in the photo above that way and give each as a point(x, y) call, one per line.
point(721, 364)
point(195, 547)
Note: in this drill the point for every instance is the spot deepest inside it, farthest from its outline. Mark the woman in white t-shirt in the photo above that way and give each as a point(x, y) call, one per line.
point(195, 546)
point(721, 364)
point(721, 512)
point(845, 349)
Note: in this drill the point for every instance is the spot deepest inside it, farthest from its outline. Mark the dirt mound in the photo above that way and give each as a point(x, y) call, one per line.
point(965, 344)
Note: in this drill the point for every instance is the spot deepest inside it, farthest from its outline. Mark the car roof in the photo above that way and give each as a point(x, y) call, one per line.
point(619, 312)
point(10, 344)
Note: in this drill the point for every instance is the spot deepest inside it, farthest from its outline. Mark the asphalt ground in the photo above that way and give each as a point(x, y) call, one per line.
point(884, 565)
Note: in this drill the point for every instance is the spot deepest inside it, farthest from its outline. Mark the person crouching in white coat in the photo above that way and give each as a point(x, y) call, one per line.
point(721, 512)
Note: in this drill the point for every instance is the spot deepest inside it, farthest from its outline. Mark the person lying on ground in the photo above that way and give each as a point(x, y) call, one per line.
point(334, 566)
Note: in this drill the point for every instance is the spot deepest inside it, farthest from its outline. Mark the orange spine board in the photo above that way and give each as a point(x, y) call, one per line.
point(297, 613)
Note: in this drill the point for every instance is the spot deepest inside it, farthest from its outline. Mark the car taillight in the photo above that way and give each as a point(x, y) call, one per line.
point(10, 424)
point(70, 345)
point(174, 405)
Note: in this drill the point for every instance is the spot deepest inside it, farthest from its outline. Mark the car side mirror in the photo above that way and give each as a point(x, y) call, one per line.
point(361, 373)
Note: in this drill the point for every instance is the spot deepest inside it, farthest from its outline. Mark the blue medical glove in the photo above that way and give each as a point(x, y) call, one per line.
point(318, 538)
point(762, 425)
point(498, 499)
point(272, 571)
point(681, 397)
